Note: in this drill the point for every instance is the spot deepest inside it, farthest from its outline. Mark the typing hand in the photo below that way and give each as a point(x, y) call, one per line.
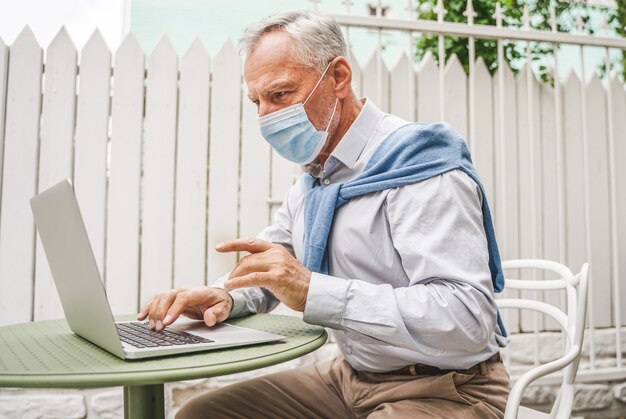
point(271, 266)
point(213, 305)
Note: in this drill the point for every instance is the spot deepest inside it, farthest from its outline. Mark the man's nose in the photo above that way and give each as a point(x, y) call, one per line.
point(266, 108)
point(262, 111)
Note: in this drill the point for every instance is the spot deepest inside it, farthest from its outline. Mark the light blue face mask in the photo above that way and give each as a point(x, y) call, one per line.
point(291, 133)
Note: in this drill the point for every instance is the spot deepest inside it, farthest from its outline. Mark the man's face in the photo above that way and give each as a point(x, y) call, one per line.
point(276, 79)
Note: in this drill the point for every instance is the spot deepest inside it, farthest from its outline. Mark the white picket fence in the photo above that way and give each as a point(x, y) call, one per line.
point(167, 161)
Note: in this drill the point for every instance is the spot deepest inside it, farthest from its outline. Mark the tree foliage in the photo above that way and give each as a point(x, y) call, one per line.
point(617, 20)
point(516, 53)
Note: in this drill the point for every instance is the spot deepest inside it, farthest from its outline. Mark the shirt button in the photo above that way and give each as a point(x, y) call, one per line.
point(348, 350)
point(326, 181)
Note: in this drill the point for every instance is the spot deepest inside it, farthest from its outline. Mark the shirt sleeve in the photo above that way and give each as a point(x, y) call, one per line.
point(437, 229)
point(258, 299)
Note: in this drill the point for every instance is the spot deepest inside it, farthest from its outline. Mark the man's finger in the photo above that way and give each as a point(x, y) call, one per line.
point(251, 245)
point(175, 310)
point(144, 311)
point(254, 279)
point(163, 307)
point(249, 264)
point(216, 314)
point(154, 304)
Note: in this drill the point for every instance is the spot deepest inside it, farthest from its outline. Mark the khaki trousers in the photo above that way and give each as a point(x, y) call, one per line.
point(332, 389)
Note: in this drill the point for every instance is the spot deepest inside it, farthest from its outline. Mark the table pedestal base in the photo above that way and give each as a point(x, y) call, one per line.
point(144, 402)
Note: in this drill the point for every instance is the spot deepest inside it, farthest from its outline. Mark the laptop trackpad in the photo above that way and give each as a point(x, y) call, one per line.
point(221, 332)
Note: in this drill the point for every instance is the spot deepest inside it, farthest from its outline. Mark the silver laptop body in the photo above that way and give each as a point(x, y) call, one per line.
point(83, 297)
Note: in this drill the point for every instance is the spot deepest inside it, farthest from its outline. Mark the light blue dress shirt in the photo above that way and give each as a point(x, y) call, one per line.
point(409, 280)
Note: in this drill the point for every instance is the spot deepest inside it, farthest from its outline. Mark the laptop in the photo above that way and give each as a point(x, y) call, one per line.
point(83, 296)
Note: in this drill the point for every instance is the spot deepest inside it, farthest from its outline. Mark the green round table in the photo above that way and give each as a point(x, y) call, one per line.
point(48, 354)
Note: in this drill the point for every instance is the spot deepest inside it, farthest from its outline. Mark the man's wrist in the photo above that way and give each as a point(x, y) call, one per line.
point(239, 307)
point(231, 301)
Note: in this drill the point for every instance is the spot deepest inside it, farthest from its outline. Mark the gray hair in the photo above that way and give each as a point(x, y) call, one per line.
point(317, 38)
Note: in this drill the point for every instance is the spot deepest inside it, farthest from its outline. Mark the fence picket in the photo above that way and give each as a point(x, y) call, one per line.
point(375, 85)
point(455, 96)
point(159, 151)
point(357, 81)
point(529, 179)
point(600, 238)
point(428, 90)
point(283, 176)
point(191, 164)
point(483, 153)
point(507, 196)
point(254, 212)
point(549, 231)
point(618, 95)
point(55, 153)
point(122, 250)
point(19, 181)
point(573, 151)
point(400, 97)
point(92, 136)
point(223, 158)
point(4, 73)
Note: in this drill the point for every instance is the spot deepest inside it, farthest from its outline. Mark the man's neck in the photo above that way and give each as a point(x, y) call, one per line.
point(350, 109)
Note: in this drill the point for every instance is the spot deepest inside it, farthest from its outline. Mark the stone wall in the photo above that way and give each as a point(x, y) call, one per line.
point(592, 400)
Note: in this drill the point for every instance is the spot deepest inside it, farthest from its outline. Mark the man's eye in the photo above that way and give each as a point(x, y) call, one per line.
point(278, 95)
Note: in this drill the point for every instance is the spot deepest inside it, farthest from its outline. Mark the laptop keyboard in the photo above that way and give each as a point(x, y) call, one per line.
point(140, 335)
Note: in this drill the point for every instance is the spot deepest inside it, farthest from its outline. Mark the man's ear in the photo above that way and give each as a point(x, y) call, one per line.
point(342, 73)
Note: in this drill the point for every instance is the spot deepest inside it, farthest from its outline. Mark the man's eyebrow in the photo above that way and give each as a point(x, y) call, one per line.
point(277, 86)
point(272, 87)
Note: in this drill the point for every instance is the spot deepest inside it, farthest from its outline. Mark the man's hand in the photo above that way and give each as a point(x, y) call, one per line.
point(213, 305)
point(271, 266)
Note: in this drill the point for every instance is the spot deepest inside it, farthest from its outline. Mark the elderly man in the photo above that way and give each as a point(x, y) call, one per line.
point(386, 239)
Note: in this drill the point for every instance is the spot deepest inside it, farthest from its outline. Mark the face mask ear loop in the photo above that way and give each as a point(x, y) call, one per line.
point(317, 84)
point(332, 115)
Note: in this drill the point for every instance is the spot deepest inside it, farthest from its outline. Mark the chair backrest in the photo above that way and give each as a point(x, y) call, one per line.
point(571, 320)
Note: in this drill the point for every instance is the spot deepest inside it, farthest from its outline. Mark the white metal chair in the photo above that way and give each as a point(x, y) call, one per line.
point(571, 321)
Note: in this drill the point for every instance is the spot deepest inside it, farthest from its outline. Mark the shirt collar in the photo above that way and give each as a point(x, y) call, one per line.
point(355, 139)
